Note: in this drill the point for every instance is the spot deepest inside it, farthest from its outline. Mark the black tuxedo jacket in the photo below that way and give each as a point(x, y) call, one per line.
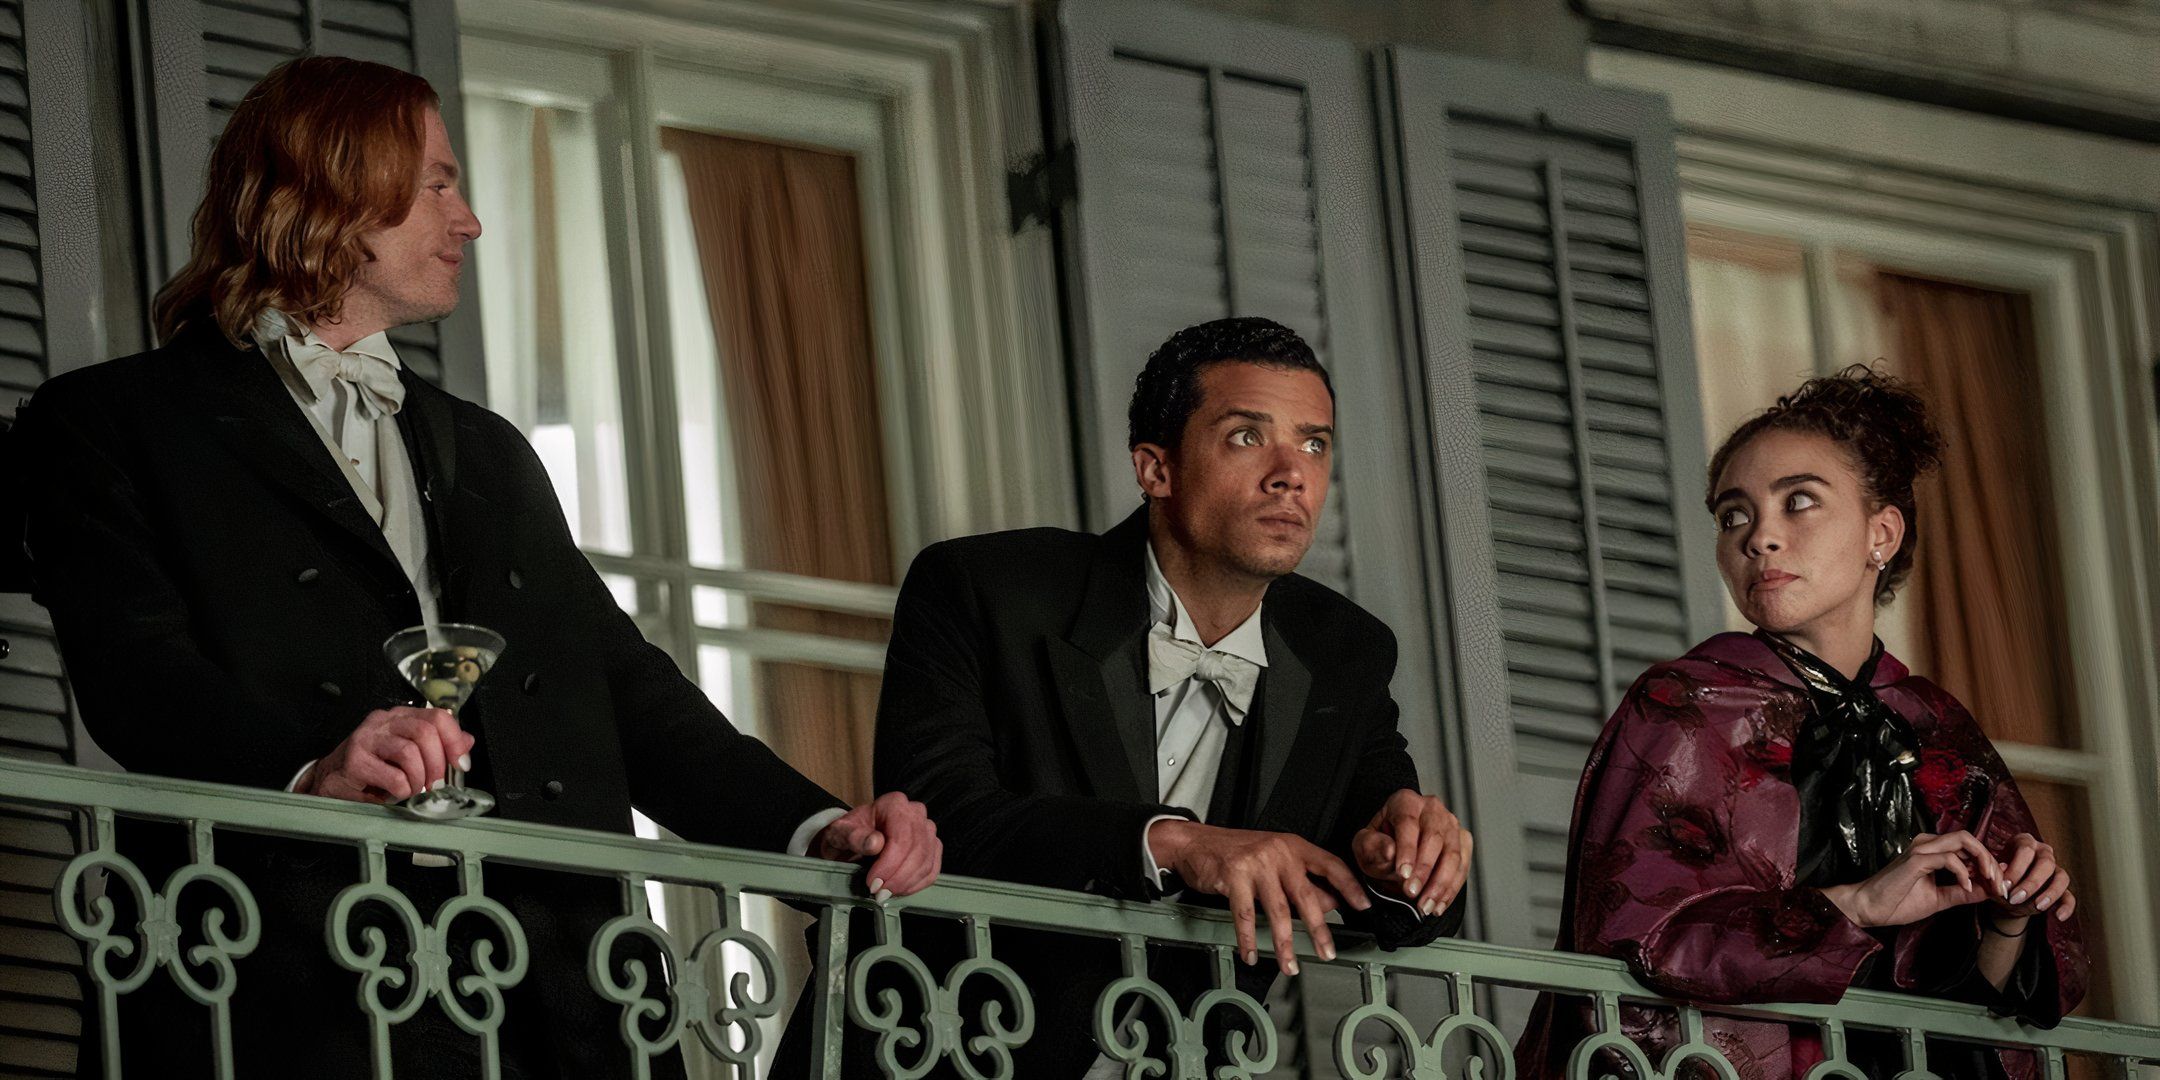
point(221, 597)
point(1015, 706)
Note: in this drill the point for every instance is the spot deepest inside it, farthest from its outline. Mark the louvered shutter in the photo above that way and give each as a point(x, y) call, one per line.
point(48, 267)
point(1544, 234)
point(207, 54)
point(1224, 167)
point(1228, 166)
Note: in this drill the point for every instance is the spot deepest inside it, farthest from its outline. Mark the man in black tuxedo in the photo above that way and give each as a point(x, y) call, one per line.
point(227, 527)
point(1168, 710)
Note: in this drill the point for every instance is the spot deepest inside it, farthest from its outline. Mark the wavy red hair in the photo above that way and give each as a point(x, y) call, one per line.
point(321, 152)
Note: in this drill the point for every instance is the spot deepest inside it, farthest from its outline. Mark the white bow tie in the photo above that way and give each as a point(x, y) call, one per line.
point(380, 391)
point(1171, 661)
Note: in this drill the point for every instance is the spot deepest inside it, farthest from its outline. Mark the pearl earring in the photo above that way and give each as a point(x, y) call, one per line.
point(1877, 563)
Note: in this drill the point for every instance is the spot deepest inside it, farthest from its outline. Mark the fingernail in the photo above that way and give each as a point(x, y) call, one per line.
point(884, 895)
point(877, 884)
point(436, 786)
point(1290, 965)
point(1416, 886)
point(2045, 904)
point(2018, 897)
point(2063, 915)
point(1403, 871)
point(1327, 952)
point(464, 761)
point(1251, 957)
point(1429, 907)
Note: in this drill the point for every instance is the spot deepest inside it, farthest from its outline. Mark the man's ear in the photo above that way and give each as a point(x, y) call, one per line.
point(1151, 467)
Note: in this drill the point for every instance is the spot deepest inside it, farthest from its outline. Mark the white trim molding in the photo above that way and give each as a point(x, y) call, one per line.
point(987, 430)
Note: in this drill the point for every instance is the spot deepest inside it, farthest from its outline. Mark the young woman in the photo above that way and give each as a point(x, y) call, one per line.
point(1780, 815)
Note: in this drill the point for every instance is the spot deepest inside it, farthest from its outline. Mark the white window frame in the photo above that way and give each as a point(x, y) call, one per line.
point(938, 104)
point(1932, 192)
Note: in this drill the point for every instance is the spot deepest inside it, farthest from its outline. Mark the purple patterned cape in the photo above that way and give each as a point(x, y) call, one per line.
point(1682, 855)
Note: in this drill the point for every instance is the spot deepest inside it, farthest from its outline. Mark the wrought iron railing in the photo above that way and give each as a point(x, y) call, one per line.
point(1375, 1038)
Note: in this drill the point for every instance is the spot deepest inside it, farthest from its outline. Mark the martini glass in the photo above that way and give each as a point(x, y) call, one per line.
point(444, 662)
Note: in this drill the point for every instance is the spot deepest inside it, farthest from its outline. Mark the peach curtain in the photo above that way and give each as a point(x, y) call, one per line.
point(779, 239)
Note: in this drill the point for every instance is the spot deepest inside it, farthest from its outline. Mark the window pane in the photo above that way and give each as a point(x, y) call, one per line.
point(776, 379)
point(1754, 333)
point(545, 301)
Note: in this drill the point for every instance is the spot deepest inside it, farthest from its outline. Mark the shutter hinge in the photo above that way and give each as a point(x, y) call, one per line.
point(1038, 187)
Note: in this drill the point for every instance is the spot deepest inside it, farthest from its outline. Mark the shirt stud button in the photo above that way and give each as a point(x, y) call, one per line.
point(307, 575)
point(517, 580)
point(532, 681)
point(551, 790)
point(331, 689)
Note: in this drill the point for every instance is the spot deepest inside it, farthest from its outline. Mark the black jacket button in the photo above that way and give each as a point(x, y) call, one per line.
point(308, 575)
point(5, 648)
point(517, 580)
point(532, 682)
point(551, 790)
point(332, 689)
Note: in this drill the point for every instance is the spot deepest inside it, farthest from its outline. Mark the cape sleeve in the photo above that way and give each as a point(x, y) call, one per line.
point(1963, 774)
point(1680, 863)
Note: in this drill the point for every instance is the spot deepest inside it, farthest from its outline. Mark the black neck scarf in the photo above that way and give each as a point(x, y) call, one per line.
point(1853, 763)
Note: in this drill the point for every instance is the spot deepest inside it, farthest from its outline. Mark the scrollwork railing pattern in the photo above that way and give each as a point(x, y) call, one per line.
point(424, 972)
point(199, 926)
point(728, 1021)
point(93, 920)
point(1124, 1038)
point(941, 1034)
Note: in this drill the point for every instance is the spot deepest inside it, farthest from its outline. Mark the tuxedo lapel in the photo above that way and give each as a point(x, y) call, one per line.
point(429, 428)
point(256, 417)
point(1101, 669)
point(1285, 685)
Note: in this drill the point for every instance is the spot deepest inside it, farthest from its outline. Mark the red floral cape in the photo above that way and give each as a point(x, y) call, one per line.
point(1682, 858)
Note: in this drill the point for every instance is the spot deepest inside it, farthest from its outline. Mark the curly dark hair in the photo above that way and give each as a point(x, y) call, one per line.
point(1168, 390)
point(1877, 419)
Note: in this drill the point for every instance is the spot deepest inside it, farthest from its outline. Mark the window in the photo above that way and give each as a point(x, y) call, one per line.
point(1933, 255)
point(746, 292)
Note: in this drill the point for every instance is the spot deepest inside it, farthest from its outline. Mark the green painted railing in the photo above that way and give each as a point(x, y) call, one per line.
point(1374, 1039)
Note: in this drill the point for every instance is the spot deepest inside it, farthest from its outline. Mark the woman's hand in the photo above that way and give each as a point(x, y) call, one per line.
point(1909, 889)
point(2031, 882)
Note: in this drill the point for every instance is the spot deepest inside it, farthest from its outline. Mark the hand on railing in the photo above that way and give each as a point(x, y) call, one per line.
point(393, 754)
point(1911, 887)
point(1416, 848)
point(1271, 870)
point(898, 832)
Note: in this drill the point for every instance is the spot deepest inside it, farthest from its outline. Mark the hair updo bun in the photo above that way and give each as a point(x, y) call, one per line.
point(1881, 422)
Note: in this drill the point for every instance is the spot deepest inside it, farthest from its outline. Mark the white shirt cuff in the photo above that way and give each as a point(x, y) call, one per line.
point(799, 844)
point(1370, 890)
point(294, 783)
point(1147, 854)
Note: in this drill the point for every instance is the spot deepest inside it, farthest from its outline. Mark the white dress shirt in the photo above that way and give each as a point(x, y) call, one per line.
point(360, 430)
point(1192, 718)
point(1192, 724)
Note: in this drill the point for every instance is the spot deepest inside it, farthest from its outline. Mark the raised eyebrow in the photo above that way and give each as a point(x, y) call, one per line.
point(1796, 479)
point(443, 168)
point(1725, 496)
point(1316, 429)
point(1245, 414)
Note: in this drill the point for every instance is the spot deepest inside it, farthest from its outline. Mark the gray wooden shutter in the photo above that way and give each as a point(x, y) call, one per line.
point(1226, 166)
point(1545, 245)
point(207, 54)
point(48, 268)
